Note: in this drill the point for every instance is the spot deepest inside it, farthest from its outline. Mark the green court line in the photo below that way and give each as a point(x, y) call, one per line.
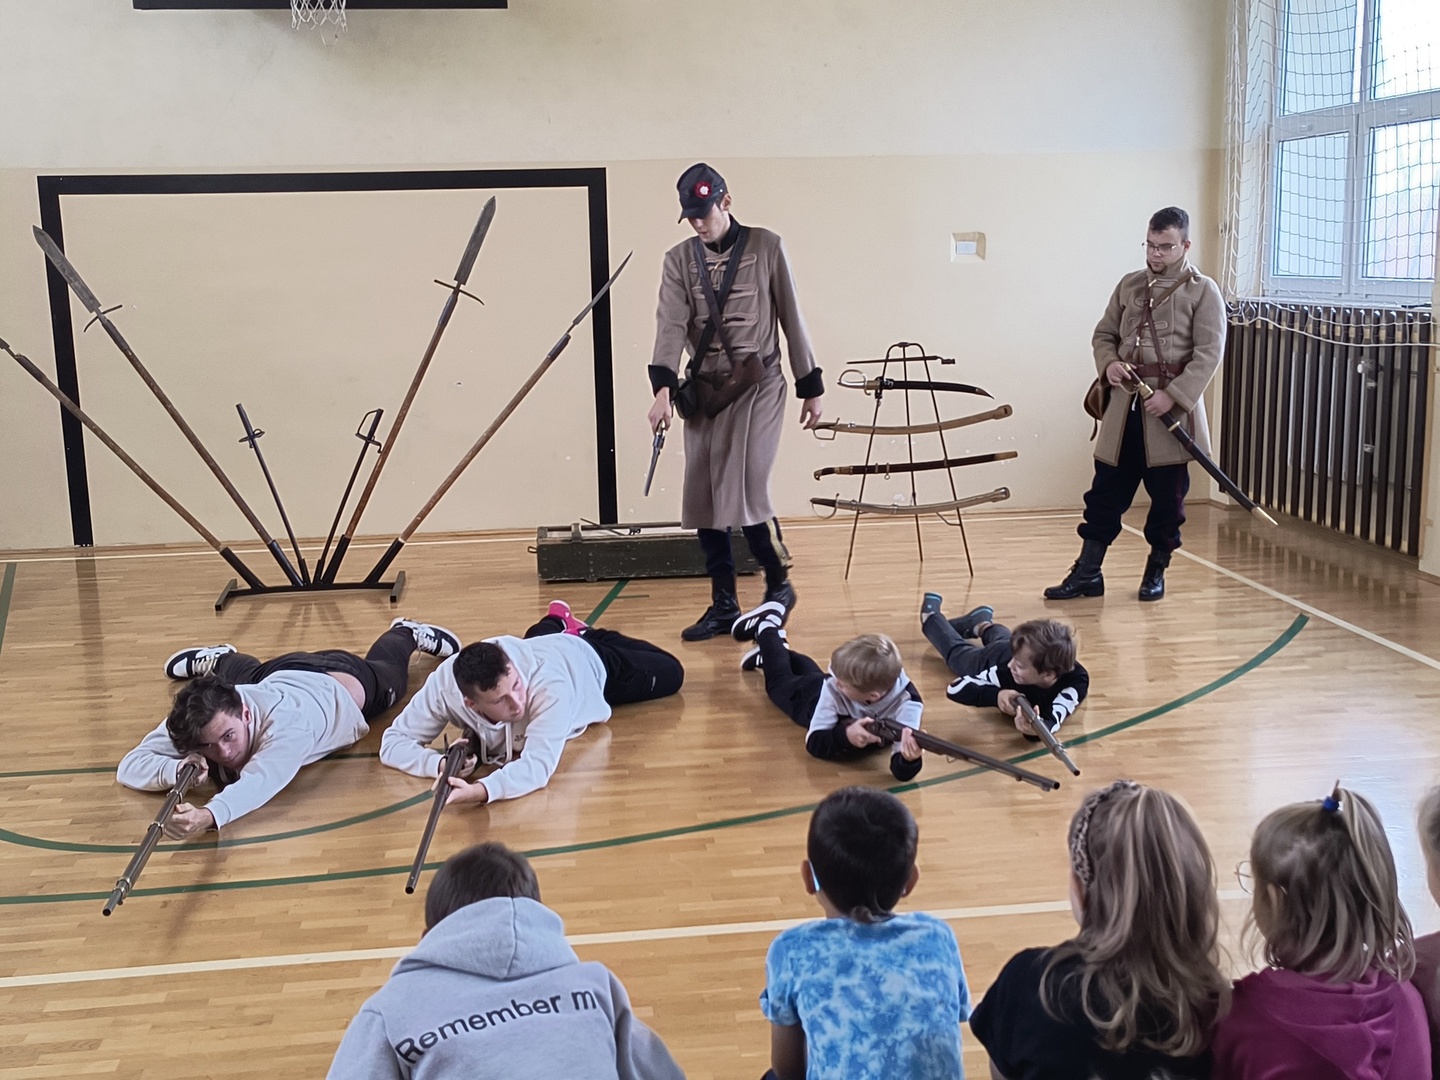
point(749, 819)
point(7, 589)
point(609, 599)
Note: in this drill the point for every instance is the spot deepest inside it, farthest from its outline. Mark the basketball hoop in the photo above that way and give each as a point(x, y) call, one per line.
point(317, 13)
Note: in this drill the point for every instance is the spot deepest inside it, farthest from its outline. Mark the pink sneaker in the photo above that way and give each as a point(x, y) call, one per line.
point(561, 610)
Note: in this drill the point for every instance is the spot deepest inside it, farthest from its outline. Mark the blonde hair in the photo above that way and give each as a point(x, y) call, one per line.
point(1335, 905)
point(869, 662)
point(1148, 950)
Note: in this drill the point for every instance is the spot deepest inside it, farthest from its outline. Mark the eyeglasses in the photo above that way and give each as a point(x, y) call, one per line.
point(1159, 249)
point(1244, 876)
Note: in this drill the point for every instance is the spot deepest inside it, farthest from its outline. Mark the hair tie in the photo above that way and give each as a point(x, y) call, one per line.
point(1080, 859)
point(1331, 803)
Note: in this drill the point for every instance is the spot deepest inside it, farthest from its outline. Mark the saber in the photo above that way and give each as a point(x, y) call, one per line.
point(1176, 426)
point(852, 428)
point(880, 385)
point(1054, 745)
point(555, 351)
point(87, 298)
point(59, 395)
point(1000, 494)
point(914, 466)
point(252, 437)
point(889, 732)
point(462, 277)
point(367, 440)
point(655, 448)
point(188, 772)
point(454, 760)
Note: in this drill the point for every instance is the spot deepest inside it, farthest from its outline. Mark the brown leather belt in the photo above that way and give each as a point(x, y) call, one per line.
point(1164, 371)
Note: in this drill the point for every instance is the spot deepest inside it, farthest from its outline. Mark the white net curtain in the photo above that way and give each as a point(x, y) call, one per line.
point(1332, 150)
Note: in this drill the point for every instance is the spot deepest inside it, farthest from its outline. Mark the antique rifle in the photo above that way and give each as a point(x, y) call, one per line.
point(655, 448)
point(186, 776)
point(1054, 745)
point(455, 754)
point(889, 731)
point(913, 466)
point(1176, 426)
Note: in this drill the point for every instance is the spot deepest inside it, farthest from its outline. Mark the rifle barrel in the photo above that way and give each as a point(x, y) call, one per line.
point(890, 730)
point(1054, 745)
point(454, 759)
point(156, 829)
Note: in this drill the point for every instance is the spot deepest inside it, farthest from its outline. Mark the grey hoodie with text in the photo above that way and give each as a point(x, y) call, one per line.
point(494, 990)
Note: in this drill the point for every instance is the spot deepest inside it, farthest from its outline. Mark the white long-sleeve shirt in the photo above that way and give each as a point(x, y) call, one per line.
point(296, 718)
point(565, 684)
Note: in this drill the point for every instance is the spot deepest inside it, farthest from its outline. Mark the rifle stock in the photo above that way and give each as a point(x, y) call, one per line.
point(183, 780)
point(454, 761)
point(889, 730)
point(1054, 745)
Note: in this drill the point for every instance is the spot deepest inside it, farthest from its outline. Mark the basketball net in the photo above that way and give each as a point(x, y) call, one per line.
point(317, 13)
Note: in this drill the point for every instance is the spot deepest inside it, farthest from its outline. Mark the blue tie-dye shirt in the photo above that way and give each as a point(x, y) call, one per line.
point(876, 1000)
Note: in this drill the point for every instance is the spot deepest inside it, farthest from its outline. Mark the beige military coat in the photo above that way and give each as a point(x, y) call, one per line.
point(1191, 324)
point(728, 458)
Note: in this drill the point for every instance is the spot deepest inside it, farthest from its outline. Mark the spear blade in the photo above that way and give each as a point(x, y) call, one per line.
point(596, 298)
point(69, 273)
point(472, 249)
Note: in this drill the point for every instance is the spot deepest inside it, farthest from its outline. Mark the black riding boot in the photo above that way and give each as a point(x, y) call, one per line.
point(1084, 578)
point(724, 609)
point(1152, 585)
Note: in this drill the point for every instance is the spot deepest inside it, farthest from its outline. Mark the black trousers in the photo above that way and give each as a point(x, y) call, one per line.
point(964, 657)
point(766, 542)
point(792, 679)
point(635, 670)
point(1114, 487)
point(383, 673)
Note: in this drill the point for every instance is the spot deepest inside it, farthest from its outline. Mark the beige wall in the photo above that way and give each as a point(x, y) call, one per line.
point(864, 133)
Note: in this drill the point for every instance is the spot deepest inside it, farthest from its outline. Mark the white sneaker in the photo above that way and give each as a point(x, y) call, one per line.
point(753, 660)
point(192, 663)
point(431, 639)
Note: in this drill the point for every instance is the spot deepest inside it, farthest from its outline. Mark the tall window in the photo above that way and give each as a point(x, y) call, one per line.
point(1353, 149)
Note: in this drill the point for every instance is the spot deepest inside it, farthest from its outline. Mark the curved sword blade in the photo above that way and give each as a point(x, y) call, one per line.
point(68, 272)
point(603, 290)
point(472, 249)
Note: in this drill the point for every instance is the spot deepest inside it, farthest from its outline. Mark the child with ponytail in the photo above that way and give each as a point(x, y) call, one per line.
point(1334, 1003)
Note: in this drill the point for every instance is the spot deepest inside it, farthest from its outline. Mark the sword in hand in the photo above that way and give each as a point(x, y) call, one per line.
point(655, 448)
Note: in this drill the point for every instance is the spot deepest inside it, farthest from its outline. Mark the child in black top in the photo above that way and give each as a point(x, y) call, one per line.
point(1037, 660)
point(866, 681)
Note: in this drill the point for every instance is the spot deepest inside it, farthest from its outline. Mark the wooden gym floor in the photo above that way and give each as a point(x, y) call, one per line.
point(670, 838)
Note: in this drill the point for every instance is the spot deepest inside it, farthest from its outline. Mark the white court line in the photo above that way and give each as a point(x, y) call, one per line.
point(666, 933)
point(1309, 609)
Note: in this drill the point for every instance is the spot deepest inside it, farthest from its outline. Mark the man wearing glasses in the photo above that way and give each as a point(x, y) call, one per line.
point(1167, 322)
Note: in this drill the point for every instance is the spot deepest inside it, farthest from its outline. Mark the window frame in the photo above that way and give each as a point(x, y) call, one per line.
point(1358, 120)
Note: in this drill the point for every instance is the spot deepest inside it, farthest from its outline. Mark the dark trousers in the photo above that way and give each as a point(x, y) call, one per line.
point(961, 656)
point(383, 673)
point(792, 679)
point(635, 670)
point(1114, 487)
point(766, 542)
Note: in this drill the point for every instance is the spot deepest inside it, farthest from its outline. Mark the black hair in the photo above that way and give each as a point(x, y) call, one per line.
point(478, 873)
point(1172, 217)
point(197, 703)
point(862, 850)
point(479, 666)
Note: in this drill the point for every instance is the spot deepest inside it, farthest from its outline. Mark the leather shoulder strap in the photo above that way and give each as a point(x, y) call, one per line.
point(716, 302)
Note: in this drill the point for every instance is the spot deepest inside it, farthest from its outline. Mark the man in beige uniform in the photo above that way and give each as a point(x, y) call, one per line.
point(728, 457)
point(1134, 447)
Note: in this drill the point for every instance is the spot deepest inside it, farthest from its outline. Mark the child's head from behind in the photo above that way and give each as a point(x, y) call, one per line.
point(482, 872)
point(1143, 889)
point(1041, 650)
point(1429, 821)
point(866, 667)
point(862, 852)
point(1327, 898)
